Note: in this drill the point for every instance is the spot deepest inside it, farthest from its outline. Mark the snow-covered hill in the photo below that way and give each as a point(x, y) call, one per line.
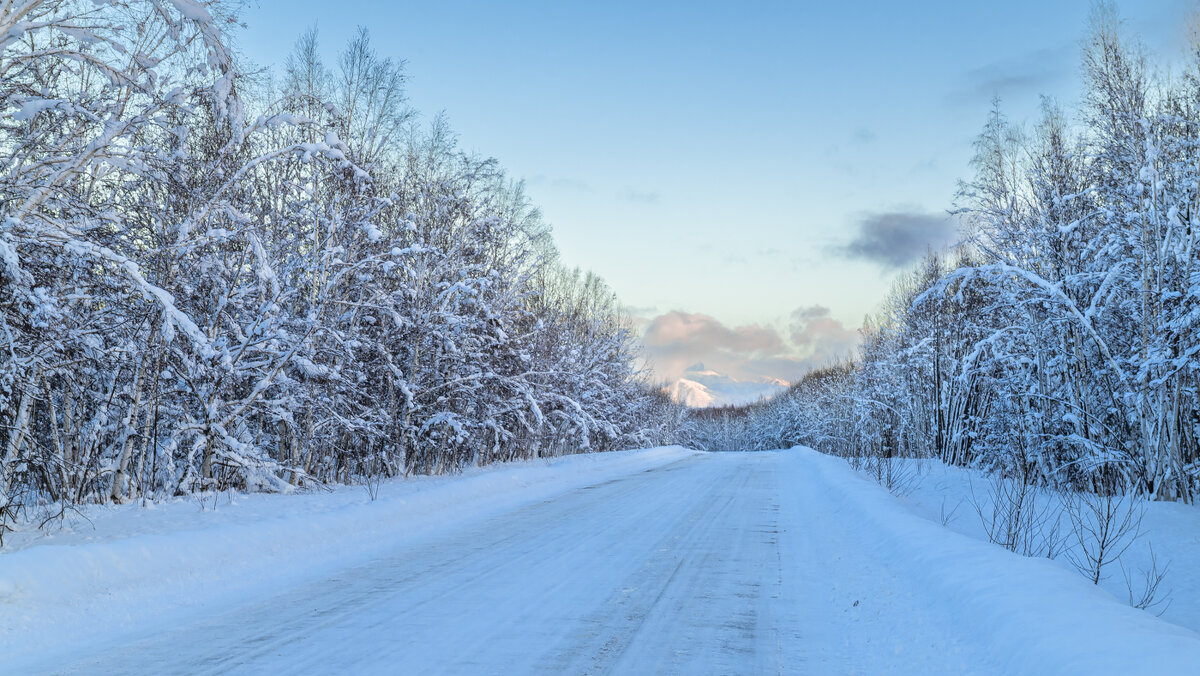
point(691, 393)
point(700, 388)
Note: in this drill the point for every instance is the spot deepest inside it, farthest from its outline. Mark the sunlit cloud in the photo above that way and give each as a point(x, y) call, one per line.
point(677, 341)
point(823, 338)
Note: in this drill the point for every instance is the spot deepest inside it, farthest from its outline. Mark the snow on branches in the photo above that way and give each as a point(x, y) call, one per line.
point(193, 299)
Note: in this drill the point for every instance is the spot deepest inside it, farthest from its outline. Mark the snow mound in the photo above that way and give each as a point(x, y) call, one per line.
point(1035, 616)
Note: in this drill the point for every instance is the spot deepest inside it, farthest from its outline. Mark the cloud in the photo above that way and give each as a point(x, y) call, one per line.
point(926, 165)
point(863, 136)
point(1031, 73)
point(824, 338)
point(640, 310)
point(640, 315)
point(675, 341)
point(639, 196)
point(896, 238)
point(706, 331)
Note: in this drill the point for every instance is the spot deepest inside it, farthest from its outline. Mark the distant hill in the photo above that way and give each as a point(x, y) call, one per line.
point(702, 388)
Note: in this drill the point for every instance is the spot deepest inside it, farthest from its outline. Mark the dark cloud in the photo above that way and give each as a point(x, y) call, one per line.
point(895, 239)
point(1035, 72)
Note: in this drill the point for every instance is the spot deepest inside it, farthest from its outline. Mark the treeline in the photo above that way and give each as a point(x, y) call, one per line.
point(1061, 343)
point(210, 279)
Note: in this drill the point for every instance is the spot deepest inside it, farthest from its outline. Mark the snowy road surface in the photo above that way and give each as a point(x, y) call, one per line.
point(781, 562)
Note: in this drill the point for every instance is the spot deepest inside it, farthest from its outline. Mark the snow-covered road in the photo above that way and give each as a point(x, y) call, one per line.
point(714, 563)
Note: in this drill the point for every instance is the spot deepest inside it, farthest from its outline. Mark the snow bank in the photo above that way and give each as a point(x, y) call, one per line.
point(1168, 529)
point(1034, 615)
point(150, 563)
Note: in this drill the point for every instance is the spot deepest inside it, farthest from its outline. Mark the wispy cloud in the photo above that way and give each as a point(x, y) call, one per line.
point(894, 239)
point(862, 136)
point(640, 315)
point(1034, 72)
point(640, 196)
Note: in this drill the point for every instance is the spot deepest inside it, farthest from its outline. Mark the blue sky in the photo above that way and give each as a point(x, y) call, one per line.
point(735, 171)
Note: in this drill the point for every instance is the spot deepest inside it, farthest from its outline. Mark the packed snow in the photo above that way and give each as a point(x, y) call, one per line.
point(658, 561)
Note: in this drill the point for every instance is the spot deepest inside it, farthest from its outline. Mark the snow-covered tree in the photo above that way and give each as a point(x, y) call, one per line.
point(211, 282)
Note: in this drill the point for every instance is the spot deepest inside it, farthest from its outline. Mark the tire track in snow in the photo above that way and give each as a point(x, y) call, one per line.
point(713, 564)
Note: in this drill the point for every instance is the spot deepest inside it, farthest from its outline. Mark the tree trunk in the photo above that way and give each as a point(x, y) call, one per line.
point(15, 439)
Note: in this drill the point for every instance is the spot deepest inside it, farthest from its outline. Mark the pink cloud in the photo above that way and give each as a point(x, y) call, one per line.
point(823, 337)
point(704, 331)
point(676, 341)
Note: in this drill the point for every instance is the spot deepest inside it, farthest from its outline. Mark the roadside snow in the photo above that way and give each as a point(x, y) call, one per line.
point(123, 569)
point(658, 561)
point(1036, 615)
point(1172, 530)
